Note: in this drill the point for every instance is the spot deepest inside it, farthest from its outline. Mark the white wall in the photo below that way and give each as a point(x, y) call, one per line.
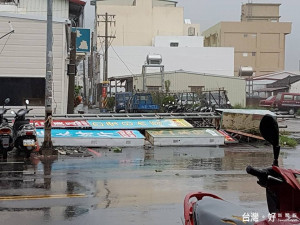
point(219, 61)
point(38, 8)
point(295, 87)
point(24, 55)
point(137, 24)
point(182, 82)
point(183, 41)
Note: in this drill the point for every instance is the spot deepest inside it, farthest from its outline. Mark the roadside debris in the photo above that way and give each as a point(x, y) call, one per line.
point(73, 151)
point(116, 149)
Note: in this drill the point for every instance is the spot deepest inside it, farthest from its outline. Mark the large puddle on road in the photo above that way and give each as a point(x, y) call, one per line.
point(71, 190)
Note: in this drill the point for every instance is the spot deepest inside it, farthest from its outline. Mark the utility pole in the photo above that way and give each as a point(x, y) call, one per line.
point(106, 49)
point(92, 70)
point(72, 74)
point(84, 82)
point(107, 19)
point(47, 146)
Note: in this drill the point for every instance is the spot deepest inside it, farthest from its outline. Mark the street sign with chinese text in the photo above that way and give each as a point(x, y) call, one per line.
point(139, 124)
point(68, 133)
point(63, 123)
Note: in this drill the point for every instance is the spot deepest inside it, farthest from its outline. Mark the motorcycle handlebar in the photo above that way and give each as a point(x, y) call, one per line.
point(256, 172)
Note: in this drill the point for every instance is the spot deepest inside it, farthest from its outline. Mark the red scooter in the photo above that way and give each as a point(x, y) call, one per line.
point(282, 190)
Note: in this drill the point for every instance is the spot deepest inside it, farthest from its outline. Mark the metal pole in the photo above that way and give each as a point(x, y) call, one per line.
point(92, 69)
point(72, 74)
point(84, 82)
point(106, 48)
point(162, 71)
point(47, 144)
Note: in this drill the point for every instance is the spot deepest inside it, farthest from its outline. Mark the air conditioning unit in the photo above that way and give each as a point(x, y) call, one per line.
point(191, 31)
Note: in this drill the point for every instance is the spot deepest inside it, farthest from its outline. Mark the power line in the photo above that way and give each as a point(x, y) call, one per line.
point(122, 61)
point(5, 43)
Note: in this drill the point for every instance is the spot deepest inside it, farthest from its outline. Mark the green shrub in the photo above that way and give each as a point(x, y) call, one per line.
point(110, 103)
point(168, 99)
point(286, 141)
point(298, 112)
point(237, 106)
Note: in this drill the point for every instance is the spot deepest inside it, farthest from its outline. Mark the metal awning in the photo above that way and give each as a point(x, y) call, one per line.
point(270, 89)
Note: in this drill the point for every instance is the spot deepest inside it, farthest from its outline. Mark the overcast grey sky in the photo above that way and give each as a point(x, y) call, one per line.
point(210, 12)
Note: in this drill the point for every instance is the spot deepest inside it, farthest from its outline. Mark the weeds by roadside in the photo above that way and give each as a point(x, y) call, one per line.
point(287, 141)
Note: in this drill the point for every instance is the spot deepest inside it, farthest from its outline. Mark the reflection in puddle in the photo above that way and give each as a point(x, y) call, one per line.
point(132, 177)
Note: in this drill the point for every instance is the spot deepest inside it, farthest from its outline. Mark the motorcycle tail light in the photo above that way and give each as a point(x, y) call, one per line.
point(5, 131)
point(29, 132)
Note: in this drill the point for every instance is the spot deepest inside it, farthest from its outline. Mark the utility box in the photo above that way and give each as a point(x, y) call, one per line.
point(72, 69)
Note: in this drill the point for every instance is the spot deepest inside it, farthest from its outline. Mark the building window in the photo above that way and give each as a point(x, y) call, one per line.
point(20, 89)
point(245, 35)
point(253, 53)
point(174, 44)
point(197, 89)
point(191, 31)
point(153, 88)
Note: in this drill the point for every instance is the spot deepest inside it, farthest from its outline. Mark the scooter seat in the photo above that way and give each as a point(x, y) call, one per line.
point(21, 112)
point(19, 124)
point(219, 212)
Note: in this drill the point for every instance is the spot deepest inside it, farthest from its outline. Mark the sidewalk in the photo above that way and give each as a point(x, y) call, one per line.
point(293, 124)
point(84, 109)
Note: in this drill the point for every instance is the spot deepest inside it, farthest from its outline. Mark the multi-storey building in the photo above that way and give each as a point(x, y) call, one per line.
point(258, 40)
point(137, 22)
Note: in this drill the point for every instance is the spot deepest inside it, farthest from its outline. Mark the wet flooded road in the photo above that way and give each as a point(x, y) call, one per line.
point(134, 186)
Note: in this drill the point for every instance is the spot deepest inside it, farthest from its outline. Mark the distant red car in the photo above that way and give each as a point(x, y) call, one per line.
point(267, 102)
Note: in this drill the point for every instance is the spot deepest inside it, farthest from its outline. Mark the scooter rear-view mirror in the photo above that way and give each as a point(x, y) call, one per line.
point(269, 130)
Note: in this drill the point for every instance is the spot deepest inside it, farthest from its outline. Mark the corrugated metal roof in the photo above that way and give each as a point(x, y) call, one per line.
point(179, 71)
point(30, 17)
point(284, 82)
point(276, 76)
point(270, 89)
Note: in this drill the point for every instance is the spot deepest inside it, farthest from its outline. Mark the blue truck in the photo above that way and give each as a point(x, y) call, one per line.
point(140, 103)
point(121, 100)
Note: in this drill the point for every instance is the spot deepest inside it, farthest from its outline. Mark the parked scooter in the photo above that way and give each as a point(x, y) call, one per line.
point(282, 190)
point(25, 138)
point(172, 107)
point(6, 132)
